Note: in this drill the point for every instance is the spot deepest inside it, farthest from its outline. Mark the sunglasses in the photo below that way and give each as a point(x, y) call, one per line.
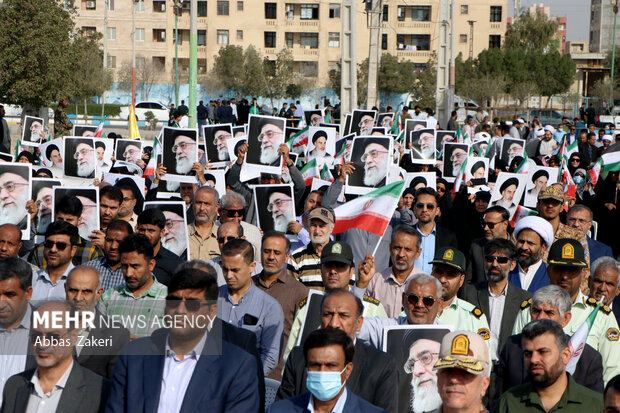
point(60, 246)
point(224, 240)
point(421, 205)
point(413, 299)
point(192, 305)
point(491, 225)
point(498, 258)
point(230, 213)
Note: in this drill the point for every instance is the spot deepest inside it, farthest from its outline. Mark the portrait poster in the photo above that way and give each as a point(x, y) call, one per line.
point(538, 178)
point(216, 139)
point(265, 135)
point(313, 117)
point(104, 152)
point(285, 174)
point(89, 197)
point(238, 131)
point(233, 147)
point(481, 147)
point(180, 152)
point(508, 191)
point(414, 125)
point(371, 157)
point(128, 150)
point(321, 145)
point(477, 168)
point(16, 189)
point(346, 142)
point(454, 155)
point(362, 122)
point(423, 149)
point(385, 120)
point(216, 178)
point(202, 154)
point(33, 132)
point(444, 136)
point(379, 131)
point(336, 126)
point(347, 124)
point(6, 157)
point(87, 131)
point(175, 237)
point(417, 180)
point(79, 157)
point(510, 149)
point(52, 153)
point(43, 196)
point(275, 207)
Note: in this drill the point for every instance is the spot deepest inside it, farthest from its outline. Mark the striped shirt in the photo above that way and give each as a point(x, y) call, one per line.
point(86, 251)
point(305, 265)
point(110, 278)
point(140, 315)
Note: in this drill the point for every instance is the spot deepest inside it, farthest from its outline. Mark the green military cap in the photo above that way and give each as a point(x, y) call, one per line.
point(339, 252)
point(451, 257)
point(567, 252)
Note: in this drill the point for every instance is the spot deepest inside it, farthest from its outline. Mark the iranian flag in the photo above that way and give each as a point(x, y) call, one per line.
point(568, 150)
point(595, 171)
point(328, 117)
point(396, 125)
point(578, 340)
point(298, 139)
point(326, 174)
point(371, 212)
point(521, 212)
point(339, 158)
point(149, 171)
point(99, 130)
point(523, 167)
point(310, 171)
point(611, 158)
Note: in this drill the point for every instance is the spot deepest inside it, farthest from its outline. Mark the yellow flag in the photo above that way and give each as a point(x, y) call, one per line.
point(134, 131)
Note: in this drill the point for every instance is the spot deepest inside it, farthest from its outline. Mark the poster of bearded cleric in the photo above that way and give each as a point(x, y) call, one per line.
point(454, 155)
point(265, 135)
point(80, 160)
point(34, 131)
point(175, 237)
point(362, 122)
point(415, 350)
point(422, 146)
point(180, 153)
point(87, 131)
point(275, 205)
point(371, 159)
point(43, 196)
point(128, 150)
point(15, 190)
point(89, 197)
point(216, 138)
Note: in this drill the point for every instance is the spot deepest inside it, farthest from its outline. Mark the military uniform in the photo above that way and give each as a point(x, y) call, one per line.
point(61, 119)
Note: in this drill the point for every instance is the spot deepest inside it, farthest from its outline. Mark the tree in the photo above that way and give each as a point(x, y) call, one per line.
point(532, 32)
point(279, 75)
point(254, 77)
point(147, 72)
point(228, 68)
point(38, 57)
point(425, 84)
point(607, 63)
point(395, 76)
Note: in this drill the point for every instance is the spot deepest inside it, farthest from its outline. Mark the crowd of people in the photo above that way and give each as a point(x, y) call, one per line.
point(467, 302)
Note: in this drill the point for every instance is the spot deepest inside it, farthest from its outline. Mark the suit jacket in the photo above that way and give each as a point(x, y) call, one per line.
point(101, 360)
point(616, 308)
point(224, 379)
point(299, 404)
point(84, 392)
point(598, 249)
point(475, 262)
point(478, 295)
point(540, 278)
point(374, 376)
point(511, 369)
point(444, 238)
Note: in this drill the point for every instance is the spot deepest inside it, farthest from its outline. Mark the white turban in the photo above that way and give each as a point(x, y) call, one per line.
point(537, 224)
point(607, 138)
point(550, 128)
point(540, 132)
point(508, 123)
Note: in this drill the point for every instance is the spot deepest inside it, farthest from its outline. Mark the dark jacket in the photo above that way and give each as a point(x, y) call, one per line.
point(540, 278)
point(475, 262)
point(299, 404)
point(598, 249)
point(374, 376)
point(616, 308)
point(84, 392)
point(225, 114)
point(444, 238)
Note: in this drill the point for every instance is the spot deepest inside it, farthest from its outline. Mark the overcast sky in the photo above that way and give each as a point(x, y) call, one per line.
point(576, 11)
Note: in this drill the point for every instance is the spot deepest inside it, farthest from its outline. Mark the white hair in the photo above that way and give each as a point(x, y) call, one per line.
point(422, 278)
point(604, 263)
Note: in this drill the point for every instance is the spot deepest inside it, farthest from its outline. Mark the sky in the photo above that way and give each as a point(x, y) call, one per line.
point(577, 13)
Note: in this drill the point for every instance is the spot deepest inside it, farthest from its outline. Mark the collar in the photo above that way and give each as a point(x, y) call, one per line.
point(281, 278)
point(151, 292)
point(60, 384)
point(193, 354)
point(44, 274)
point(433, 231)
point(533, 268)
point(390, 275)
point(24, 324)
point(248, 294)
point(500, 294)
point(191, 230)
point(581, 300)
point(338, 407)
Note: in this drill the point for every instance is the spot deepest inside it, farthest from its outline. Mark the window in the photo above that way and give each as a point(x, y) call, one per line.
point(239, 34)
point(239, 6)
point(202, 9)
point(309, 69)
point(270, 39)
point(140, 6)
point(495, 41)
point(89, 31)
point(271, 10)
point(222, 37)
point(159, 62)
point(111, 33)
point(463, 38)
point(419, 67)
point(111, 5)
point(159, 6)
point(202, 37)
point(289, 40)
point(139, 35)
point(334, 39)
point(159, 35)
point(111, 62)
point(334, 11)
point(222, 7)
point(401, 13)
point(290, 11)
point(309, 11)
point(91, 5)
point(202, 66)
point(384, 41)
point(421, 13)
point(464, 9)
point(413, 41)
point(309, 39)
point(385, 13)
point(496, 14)
point(181, 36)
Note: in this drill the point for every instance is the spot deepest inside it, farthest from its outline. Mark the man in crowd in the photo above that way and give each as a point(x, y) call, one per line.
point(109, 266)
point(580, 217)
point(299, 227)
point(110, 201)
point(129, 210)
point(232, 207)
point(612, 396)
point(605, 283)
point(203, 232)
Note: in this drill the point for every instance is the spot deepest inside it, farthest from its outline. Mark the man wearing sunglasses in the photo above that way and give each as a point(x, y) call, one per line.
point(152, 223)
point(232, 208)
point(60, 245)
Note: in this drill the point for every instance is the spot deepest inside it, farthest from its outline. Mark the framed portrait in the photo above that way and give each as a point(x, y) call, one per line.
point(454, 155)
point(276, 208)
point(347, 124)
point(43, 196)
point(216, 139)
point(128, 150)
point(79, 159)
point(313, 117)
point(508, 191)
point(238, 131)
point(175, 237)
point(417, 180)
point(510, 149)
point(52, 153)
point(362, 122)
point(345, 142)
point(414, 125)
point(104, 151)
point(444, 136)
point(33, 132)
point(385, 120)
point(371, 157)
point(423, 149)
point(84, 130)
point(321, 145)
point(89, 197)
point(180, 152)
point(538, 178)
point(16, 188)
point(265, 135)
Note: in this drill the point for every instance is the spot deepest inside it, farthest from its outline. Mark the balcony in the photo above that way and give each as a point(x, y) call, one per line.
point(496, 26)
point(414, 25)
point(300, 52)
point(414, 53)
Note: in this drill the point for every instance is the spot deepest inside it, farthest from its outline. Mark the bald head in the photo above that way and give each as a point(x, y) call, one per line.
point(83, 288)
point(230, 228)
point(10, 240)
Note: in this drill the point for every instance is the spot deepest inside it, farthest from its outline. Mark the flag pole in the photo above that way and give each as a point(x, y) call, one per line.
point(374, 252)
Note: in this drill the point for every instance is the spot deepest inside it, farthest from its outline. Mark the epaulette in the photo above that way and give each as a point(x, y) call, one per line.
point(303, 302)
point(484, 333)
point(525, 304)
point(591, 301)
point(369, 299)
point(476, 312)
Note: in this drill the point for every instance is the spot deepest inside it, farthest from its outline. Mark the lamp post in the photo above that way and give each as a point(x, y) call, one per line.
point(177, 8)
point(614, 4)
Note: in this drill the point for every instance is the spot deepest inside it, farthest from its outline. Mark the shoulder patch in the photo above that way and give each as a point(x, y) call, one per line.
point(605, 309)
point(612, 334)
point(477, 313)
point(591, 301)
point(525, 304)
point(303, 302)
point(369, 299)
point(484, 333)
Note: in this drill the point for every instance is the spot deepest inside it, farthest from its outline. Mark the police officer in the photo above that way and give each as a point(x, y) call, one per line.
point(337, 270)
point(567, 268)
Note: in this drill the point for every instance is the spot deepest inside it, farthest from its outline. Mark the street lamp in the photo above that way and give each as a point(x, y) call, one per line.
point(614, 4)
point(178, 9)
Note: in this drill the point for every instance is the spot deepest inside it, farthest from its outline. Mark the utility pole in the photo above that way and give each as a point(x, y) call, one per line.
point(471, 38)
point(348, 62)
point(133, 53)
point(444, 54)
point(106, 6)
point(178, 9)
point(614, 4)
point(374, 8)
point(193, 60)
point(517, 9)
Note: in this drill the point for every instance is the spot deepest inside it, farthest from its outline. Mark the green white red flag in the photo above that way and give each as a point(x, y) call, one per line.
point(310, 171)
point(521, 212)
point(339, 158)
point(298, 139)
point(149, 171)
point(99, 130)
point(371, 212)
point(523, 167)
point(578, 340)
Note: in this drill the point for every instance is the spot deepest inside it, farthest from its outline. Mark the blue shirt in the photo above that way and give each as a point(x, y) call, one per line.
point(260, 313)
point(110, 278)
point(44, 289)
point(338, 407)
point(428, 251)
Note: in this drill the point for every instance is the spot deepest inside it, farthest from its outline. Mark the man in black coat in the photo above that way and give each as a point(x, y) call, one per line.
point(374, 376)
point(550, 302)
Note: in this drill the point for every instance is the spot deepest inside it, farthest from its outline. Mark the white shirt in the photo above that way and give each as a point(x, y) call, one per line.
point(496, 311)
point(13, 349)
point(44, 289)
point(40, 402)
point(527, 277)
point(338, 407)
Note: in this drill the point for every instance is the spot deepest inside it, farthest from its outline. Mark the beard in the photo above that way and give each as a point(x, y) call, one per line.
point(222, 154)
point(86, 228)
point(372, 177)
point(427, 152)
point(268, 155)
point(527, 261)
point(456, 167)
point(550, 375)
point(365, 131)
point(132, 159)
point(281, 223)
point(172, 186)
point(184, 166)
point(496, 277)
point(11, 214)
point(319, 154)
point(286, 177)
point(86, 169)
point(424, 399)
point(174, 244)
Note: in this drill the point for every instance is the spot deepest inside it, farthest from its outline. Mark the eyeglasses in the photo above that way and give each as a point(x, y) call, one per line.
point(280, 202)
point(231, 213)
point(10, 186)
point(82, 152)
point(374, 154)
point(426, 359)
point(500, 259)
point(421, 205)
point(441, 189)
point(170, 222)
point(192, 305)
point(60, 245)
point(270, 134)
point(47, 200)
point(427, 300)
point(574, 160)
point(365, 122)
point(183, 146)
point(221, 137)
point(130, 152)
point(491, 225)
point(39, 338)
point(224, 240)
